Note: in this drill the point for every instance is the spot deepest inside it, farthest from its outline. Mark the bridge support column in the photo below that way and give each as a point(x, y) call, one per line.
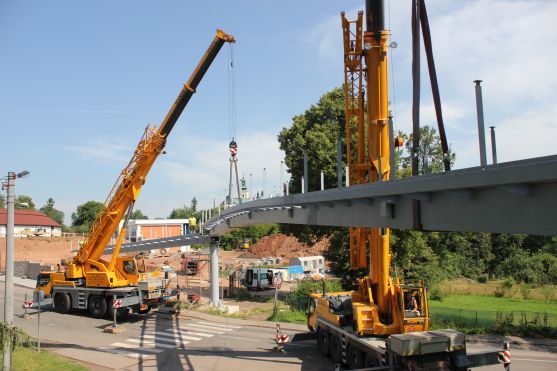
point(214, 249)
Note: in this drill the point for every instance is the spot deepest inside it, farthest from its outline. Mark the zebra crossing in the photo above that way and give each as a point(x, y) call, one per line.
point(154, 340)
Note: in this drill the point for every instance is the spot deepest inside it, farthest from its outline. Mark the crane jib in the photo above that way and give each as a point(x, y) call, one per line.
point(189, 88)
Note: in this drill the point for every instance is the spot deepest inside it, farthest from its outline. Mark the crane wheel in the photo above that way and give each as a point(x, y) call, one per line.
point(336, 349)
point(355, 358)
point(323, 341)
point(96, 306)
point(370, 361)
point(62, 303)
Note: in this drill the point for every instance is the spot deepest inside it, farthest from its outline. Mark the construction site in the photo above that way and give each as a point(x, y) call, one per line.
point(370, 184)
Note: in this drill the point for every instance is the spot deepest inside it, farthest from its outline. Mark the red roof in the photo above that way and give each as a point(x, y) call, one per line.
point(29, 217)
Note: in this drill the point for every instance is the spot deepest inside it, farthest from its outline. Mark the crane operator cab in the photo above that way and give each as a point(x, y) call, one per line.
point(414, 301)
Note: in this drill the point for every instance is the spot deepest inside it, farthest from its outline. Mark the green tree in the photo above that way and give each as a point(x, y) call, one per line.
point(85, 215)
point(253, 233)
point(137, 214)
point(2, 202)
point(54, 214)
point(23, 202)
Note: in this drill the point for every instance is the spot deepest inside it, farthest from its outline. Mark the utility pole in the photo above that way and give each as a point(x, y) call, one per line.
point(493, 145)
point(8, 183)
point(481, 129)
point(282, 178)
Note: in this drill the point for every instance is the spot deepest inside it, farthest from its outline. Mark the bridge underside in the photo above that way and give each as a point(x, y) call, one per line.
point(513, 197)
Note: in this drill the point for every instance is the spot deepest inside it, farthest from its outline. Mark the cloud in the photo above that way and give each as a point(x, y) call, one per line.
point(105, 150)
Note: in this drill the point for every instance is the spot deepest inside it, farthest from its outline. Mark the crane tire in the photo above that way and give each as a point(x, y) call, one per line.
point(96, 305)
point(62, 303)
point(370, 361)
point(355, 358)
point(336, 349)
point(323, 341)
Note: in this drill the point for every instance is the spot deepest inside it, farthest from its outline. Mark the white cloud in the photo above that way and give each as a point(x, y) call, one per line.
point(106, 150)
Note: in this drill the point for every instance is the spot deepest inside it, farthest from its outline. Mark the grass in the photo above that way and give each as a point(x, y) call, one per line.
point(489, 303)
point(28, 359)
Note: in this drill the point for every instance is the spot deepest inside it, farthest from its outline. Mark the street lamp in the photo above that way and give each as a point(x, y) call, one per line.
point(8, 183)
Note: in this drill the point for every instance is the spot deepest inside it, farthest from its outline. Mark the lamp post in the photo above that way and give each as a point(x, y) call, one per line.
point(8, 183)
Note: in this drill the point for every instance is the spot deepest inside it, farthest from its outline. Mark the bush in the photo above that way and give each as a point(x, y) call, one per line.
point(435, 293)
point(526, 291)
point(482, 278)
point(548, 292)
point(506, 288)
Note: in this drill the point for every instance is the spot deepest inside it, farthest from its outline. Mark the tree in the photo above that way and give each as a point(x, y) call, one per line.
point(23, 202)
point(137, 214)
point(54, 214)
point(430, 152)
point(85, 215)
point(254, 233)
point(2, 202)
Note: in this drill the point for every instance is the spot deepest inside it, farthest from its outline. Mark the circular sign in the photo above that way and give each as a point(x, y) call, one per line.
point(277, 280)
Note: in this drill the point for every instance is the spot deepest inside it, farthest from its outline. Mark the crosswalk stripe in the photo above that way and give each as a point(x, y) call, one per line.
point(155, 343)
point(136, 347)
point(219, 325)
point(125, 352)
point(208, 328)
point(189, 332)
point(165, 336)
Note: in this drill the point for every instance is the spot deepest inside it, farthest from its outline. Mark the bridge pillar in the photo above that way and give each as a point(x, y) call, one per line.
point(214, 250)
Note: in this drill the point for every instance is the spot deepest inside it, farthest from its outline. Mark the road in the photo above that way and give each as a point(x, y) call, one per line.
point(197, 342)
point(165, 342)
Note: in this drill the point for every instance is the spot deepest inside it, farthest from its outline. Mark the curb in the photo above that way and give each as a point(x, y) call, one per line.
point(261, 324)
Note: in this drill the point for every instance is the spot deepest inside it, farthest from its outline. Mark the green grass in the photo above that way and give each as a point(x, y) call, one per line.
point(28, 359)
point(291, 316)
point(488, 303)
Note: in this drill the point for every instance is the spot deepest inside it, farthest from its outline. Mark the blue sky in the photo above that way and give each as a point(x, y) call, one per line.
point(79, 81)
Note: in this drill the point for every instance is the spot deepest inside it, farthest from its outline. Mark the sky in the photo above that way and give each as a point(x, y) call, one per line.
point(80, 80)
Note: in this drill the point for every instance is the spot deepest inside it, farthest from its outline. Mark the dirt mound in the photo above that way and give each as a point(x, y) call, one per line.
point(286, 247)
point(41, 250)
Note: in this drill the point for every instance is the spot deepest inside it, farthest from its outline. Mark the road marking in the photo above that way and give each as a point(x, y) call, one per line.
point(207, 328)
point(239, 338)
point(125, 352)
point(533, 360)
point(190, 332)
point(124, 345)
point(170, 337)
point(155, 343)
point(219, 325)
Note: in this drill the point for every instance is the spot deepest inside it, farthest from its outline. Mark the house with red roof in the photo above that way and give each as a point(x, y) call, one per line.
point(28, 223)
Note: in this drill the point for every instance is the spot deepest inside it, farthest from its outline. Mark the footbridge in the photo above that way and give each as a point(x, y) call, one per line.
point(512, 197)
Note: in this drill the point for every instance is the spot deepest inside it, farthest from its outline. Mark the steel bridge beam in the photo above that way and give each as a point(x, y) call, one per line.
point(513, 197)
point(162, 243)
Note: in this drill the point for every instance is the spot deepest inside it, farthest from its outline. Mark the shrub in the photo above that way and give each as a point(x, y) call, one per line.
point(435, 293)
point(526, 291)
point(548, 292)
point(506, 288)
point(482, 278)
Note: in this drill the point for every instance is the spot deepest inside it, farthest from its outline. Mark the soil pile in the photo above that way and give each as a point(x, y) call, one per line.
point(41, 250)
point(286, 247)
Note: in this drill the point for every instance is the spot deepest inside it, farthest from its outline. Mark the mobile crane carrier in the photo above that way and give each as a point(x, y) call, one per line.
point(92, 283)
point(384, 324)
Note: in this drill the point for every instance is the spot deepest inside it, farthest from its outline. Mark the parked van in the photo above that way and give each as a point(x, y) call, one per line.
point(258, 279)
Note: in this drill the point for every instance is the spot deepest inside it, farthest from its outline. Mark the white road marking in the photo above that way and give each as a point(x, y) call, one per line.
point(219, 325)
point(533, 360)
point(207, 328)
point(125, 352)
point(190, 332)
point(175, 336)
point(239, 338)
point(155, 343)
point(136, 347)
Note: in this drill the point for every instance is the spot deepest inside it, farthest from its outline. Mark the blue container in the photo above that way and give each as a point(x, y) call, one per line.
point(295, 269)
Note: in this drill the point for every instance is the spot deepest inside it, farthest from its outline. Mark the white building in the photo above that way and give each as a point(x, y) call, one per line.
point(29, 223)
point(309, 263)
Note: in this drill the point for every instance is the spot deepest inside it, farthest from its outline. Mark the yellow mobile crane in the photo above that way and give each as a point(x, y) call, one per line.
point(92, 283)
point(384, 322)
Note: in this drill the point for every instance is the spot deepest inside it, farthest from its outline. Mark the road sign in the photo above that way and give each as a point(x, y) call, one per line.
point(117, 303)
point(27, 304)
point(277, 280)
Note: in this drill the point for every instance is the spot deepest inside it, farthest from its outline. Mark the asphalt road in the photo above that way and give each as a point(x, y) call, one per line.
point(165, 342)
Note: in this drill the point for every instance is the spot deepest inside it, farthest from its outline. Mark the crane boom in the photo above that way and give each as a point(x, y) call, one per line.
point(119, 203)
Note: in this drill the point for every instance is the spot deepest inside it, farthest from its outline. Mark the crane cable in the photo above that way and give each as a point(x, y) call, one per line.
point(232, 95)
